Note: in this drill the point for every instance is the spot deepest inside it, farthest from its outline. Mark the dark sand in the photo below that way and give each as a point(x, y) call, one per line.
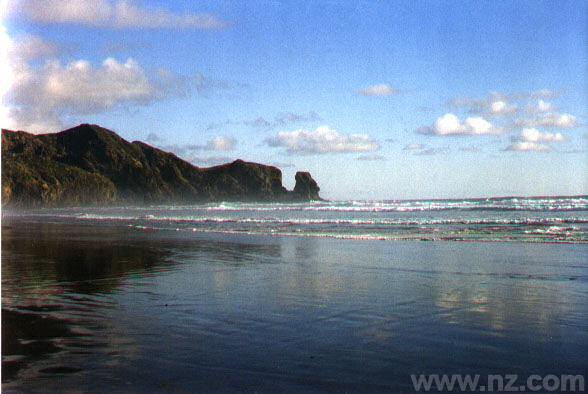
point(105, 308)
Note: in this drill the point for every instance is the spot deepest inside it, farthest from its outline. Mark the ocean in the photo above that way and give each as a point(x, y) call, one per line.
point(344, 296)
point(540, 219)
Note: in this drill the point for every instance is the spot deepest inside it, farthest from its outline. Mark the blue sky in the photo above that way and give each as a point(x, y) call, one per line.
point(378, 99)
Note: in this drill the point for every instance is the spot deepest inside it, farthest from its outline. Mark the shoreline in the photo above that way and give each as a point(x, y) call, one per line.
point(9, 222)
point(278, 313)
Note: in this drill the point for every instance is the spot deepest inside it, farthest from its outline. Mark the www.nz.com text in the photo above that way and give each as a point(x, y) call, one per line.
point(498, 383)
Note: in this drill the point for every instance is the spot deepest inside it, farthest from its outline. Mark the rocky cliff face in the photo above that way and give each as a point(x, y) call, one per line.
point(306, 188)
point(90, 165)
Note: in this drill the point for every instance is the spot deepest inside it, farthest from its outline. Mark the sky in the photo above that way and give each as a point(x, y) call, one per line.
point(377, 99)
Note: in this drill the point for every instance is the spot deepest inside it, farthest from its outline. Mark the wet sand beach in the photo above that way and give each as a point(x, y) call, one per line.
point(100, 307)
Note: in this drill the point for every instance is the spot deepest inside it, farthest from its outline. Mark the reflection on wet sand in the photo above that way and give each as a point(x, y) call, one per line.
point(109, 307)
point(58, 284)
point(28, 337)
point(50, 278)
point(90, 261)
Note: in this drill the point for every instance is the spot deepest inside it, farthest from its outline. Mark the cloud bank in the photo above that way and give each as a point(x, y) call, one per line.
point(118, 14)
point(527, 146)
point(547, 119)
point(449, 124)
point(543, 106)
point(322, 140)
point(382, 89)
point(495, 104)
point(499, 104)
point(534, 135)
point(41, 92)
point(40, 96)
point(221, 143)
point(530, 114)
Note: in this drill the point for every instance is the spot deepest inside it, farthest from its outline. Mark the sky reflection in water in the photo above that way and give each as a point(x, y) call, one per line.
point(115, 307)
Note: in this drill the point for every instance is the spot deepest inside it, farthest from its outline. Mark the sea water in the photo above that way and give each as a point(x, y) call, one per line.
point(326, 296)
point(541, 219)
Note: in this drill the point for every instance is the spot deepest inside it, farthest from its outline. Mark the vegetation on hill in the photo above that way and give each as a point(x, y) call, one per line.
point(90, 165)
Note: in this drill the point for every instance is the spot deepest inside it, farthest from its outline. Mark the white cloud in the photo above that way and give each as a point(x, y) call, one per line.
point(112, 13)
point(370, 157)
point(413, 147)
point(495, 104)
point(543, 106)
point(449, 124)
point(559, 120)
point(527, 146)
point(382, 89)
point(534, 135)
point(548, 119)
point(29, 46)
point(218, 143)
point(91, 12)
point(544, 93)
point(41, 94)
point(7, 73)
point(476, 104)
point(322, 140)
point(477, 126)
point(221, 143)
point(83, 87)
point(501, 107)
point(540, 106)
point(468, 148)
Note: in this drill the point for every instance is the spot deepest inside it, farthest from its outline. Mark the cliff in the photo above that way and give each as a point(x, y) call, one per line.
point(90, 165)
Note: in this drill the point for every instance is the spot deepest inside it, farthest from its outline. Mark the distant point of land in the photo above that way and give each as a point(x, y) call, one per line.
point(91, 165)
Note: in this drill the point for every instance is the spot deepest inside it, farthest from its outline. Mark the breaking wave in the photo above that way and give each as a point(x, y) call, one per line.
point(557, 219)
